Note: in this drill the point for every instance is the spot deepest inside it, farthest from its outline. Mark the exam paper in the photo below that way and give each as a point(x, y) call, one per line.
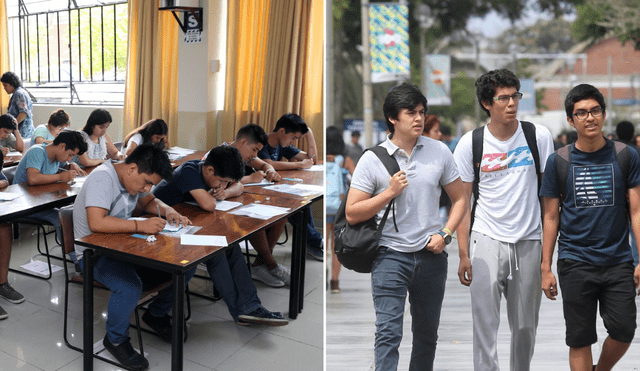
point(13, 153)
point(203, 240)
point(40, 267)
point(315, 168)
point(259, 211)
point(295, 189)
point(227, 205)
point(8, 196)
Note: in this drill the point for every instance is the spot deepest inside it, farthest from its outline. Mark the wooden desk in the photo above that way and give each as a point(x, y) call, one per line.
point(169, 255)
point(34, 199)
point(12, 160)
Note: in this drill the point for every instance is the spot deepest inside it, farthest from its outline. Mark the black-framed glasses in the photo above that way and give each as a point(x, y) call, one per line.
point(505, 98)
point(582, 114)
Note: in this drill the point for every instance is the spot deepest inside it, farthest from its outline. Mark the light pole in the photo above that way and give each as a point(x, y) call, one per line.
point(426, 19)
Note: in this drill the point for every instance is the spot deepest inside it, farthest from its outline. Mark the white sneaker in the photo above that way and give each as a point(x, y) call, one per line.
point(261, 273)
point(282, 273)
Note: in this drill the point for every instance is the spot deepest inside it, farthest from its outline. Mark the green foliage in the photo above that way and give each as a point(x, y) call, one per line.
point(586, 26)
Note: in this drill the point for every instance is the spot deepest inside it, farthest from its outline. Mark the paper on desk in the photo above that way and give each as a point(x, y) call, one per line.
point(261, 183)
point(309, 187)
point(294, 189)
point(8, 196)
point(315, 168)
point(171, 228)
point(227, 205)
point(203, 240)
point(13, 153)
point(260, 211)
point(40, 267)
point(78, 181)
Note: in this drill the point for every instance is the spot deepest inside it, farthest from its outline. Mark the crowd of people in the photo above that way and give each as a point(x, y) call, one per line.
point(511, 201)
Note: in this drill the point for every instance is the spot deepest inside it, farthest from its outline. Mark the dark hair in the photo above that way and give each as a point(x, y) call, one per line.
point(226, 161)
point(582, 92)
point(335, 142)
point(99, 116)
point(625, 130)
point(6, 122)
point(445, 130)
point(73, 140)
point(487, 84)
point(253, 133)
point(572, 136)
point(429, 122)
point(58, 117)
point(355, 133)
point(291, 123)
point(405, 95)
point(156, 127)
point(11, 79)
point(151, 159)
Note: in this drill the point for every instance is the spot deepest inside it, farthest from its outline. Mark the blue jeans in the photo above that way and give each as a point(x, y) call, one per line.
point(126, 284)
point(231, 277)
point(423, 276)
point(314, 238)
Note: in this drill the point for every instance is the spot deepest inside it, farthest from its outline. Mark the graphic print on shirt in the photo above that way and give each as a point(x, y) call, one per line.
point(518, 157)
point(593, 185)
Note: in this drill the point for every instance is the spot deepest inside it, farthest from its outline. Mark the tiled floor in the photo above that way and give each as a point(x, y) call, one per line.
point(31, 338)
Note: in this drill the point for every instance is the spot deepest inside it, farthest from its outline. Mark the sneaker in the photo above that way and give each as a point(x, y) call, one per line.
point(3, 313)
point(335, 287)
point(125, 354)
point(7, 292)
point(161, 325)
point(261, 316)
point(282, 273)
point(315, 252)
point(261, 273)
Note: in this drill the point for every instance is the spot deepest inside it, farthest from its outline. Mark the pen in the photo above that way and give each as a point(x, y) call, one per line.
point(293, 179)
point(158, 206)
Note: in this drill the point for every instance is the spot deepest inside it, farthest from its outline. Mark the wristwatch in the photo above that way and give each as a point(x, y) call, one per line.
point(446, 236)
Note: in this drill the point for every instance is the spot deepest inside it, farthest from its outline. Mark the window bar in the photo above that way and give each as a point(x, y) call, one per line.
point(70, 60)
point(90, 44)
point(28, 52)
point(102, 38)
point(38, 45)
point(59, 60)
point(48, 52)
point(21, 37)
point(79, 49)
point(115, 46)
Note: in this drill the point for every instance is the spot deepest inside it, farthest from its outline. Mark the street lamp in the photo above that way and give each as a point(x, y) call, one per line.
point(426, 19)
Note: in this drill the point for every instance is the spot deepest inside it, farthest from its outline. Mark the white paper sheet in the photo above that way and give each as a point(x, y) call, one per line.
point(315, 168)
point(8, 196)
point(13, 153)
point(259, 211)
point(203, 240)
point(40, 267)
point(227, 205)
point(295, 189)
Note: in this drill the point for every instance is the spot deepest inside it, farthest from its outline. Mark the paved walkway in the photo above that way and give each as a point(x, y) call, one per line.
point(350, 329)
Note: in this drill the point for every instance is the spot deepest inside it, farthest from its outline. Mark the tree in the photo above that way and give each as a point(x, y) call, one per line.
point(598, 19)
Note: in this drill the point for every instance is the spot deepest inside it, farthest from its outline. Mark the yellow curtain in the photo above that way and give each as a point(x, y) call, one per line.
point(4, 53)
point(152, 68)
point(274, 64)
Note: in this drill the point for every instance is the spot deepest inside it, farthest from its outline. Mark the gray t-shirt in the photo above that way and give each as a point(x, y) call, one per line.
point(9, 141)
point(430, 166)
point(101, 189)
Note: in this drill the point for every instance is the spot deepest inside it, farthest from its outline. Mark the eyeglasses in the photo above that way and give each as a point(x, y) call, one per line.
point(582, 114)
point(505, 98)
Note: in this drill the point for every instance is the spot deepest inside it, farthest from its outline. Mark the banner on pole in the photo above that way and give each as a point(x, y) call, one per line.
point(438, 75)
point(389, 42)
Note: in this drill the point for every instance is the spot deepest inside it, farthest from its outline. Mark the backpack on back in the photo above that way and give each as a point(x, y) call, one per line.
point(336, 187)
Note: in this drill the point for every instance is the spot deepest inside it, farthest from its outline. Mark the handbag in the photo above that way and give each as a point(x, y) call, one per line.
point(356, 246)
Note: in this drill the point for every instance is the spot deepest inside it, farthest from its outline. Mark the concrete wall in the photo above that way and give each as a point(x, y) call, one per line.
point(79, 115)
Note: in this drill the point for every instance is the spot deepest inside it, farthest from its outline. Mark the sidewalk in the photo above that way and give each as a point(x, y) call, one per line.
point(350, 329)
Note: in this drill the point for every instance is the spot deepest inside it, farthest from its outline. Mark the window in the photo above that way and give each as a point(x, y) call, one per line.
point(74, 55)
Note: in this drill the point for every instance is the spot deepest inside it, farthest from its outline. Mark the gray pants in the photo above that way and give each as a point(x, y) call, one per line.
point(513, 270)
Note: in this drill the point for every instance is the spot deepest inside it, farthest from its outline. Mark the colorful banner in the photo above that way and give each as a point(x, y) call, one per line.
point(528, 102)
point(389, 42)
point(438, 75)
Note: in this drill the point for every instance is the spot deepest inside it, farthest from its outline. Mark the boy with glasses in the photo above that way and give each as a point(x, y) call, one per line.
point(595, 265)
point(500, 251)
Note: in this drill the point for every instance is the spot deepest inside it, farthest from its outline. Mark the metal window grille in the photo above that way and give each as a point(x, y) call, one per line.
point(76, 55)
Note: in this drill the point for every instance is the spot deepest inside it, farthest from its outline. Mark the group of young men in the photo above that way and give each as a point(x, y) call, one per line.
point(497, 179)
point(146, 181)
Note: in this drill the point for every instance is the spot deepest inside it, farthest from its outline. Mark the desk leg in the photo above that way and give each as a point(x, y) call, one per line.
point(299, 250)
point(87, 308)
point(177, 336)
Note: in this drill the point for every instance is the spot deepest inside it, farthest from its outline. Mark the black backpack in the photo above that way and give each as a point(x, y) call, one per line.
point(356, 246)
point(477, 137)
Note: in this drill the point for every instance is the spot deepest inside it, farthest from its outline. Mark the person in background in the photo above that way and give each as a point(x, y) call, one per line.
point(432, 127)
point(625, 131)
point(354, 149)
point(46, 133)
point(99, 144)
point(6, 291)
point(447, 138)
point(344, 164)
point(10, 137)
point(20, 105)
point(152, 131)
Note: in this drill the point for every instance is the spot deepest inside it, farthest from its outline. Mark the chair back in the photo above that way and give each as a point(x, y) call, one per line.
point(10, 173)
point(118, 145)
point(27, 144)
point(65, 216)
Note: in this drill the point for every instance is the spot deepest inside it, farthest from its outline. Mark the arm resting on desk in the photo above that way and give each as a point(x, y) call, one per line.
point(99, 220)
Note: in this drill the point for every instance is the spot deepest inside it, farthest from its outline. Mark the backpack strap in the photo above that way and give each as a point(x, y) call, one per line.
point(562, 162)
point(623, 158)
point(477, 137)
point(529, 131)
point(392, 167)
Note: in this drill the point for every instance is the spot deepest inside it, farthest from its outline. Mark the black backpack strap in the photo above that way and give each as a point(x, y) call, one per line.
point(562, 162)
point(477, 137)
point(529, 131)
point(623, 158)
point(392, 167)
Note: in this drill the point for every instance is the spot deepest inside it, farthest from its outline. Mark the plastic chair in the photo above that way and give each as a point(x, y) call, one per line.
point(66, 223)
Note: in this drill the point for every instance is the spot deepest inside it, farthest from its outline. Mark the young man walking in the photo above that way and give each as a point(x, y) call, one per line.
point(412, 260)
point(595, 265)
point(500, 253)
